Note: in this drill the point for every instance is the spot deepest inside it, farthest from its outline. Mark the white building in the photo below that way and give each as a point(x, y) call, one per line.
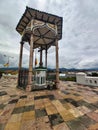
point(62, 75)
point(82, 78)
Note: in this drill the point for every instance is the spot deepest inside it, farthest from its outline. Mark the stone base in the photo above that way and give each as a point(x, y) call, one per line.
point(57, 85)
point(29, 88)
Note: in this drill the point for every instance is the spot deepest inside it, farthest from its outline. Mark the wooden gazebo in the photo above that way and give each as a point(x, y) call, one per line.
point(41, 30)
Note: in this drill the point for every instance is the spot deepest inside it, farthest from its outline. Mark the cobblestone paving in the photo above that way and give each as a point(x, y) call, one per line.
point(72, 107)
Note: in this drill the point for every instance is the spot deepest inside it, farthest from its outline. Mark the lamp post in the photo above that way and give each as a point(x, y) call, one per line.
point(8, 59)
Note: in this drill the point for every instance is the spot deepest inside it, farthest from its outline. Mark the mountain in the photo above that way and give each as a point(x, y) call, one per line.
point(9, 68)
point(53, 69)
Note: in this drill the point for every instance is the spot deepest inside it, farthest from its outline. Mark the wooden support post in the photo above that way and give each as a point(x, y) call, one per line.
point(20, 61)
point(29, 86)
point(41, 53)
point(46, 57)
point(57, 64)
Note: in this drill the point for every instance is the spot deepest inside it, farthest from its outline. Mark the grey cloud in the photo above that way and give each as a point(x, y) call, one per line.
point(78, 47)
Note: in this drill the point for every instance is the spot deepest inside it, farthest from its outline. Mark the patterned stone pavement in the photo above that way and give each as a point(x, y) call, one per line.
point(72, 107)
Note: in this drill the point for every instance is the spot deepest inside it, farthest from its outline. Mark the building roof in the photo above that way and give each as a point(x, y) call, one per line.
point(42, 16)
point(80, 73)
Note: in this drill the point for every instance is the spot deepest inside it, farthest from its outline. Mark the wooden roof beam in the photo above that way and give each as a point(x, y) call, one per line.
point(30, 13)
point(27, 18)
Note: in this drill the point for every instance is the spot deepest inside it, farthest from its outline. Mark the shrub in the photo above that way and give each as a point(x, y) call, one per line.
point(68, 79)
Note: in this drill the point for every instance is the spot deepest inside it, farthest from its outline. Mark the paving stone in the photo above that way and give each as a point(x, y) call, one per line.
point(4, 85)
point(42, 126)
point(76, 125)
point(6, 113)
point(2, 126)
point(1, 111)
point(73, 102)
point(96, 111)
point(3, 93)
point(3, 120)
point(55, 119)
point(61, 126)
point(63, 101)
point(39, 104)
point(76, 94)
point(68, 100)
point(76, 113)
point(76, 105)
point(13, 126)
point(28, 116)
point(44, 119)
point(84, 109)
point(18, 110)
point(20, 103)
point(24, 96)
point(40, 97)
point(65, 92)
point(51, 97)
point(29, 108)
point(93, 127)
point(82, 103)
point(13, 101)
point(93, 115)
point(28, 125)
point(58, 105)
point(66, 115)
point(40, 113)
point(51, 110)
point(15, 118)
point(29, 102)
point(13, 95)
point(78, 98)
point(57, 95)
point(96, 104)
point(2, 106)
point(67, 106)
point(43, 123)
point(47, 102)
point(91, 106)
point(86, 121)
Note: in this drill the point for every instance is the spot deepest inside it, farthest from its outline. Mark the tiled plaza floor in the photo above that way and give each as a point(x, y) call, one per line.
point(72, 107)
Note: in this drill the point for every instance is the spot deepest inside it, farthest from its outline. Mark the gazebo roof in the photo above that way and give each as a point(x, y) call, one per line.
point(41, 16)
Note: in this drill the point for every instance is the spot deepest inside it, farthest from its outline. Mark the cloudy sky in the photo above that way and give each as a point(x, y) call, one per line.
point(79, 45)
